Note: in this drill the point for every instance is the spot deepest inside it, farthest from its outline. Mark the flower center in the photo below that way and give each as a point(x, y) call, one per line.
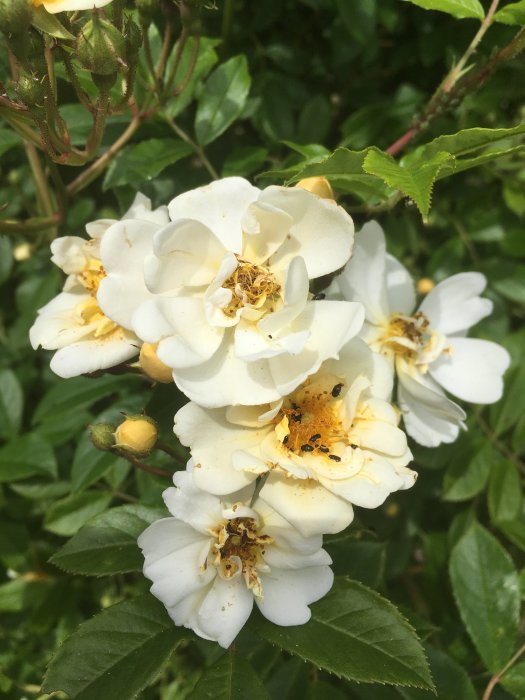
point(89, 312)
point(240, 548)
point(251, 285)
point(310, 420)
point(412, 338)
point(91, 276)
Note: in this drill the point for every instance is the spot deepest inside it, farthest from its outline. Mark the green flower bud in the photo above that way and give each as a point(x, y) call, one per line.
point(15, 16)
point(31, 92)
point(133, 38)
point(137, 434)
point(101, 48)
point(102, 435)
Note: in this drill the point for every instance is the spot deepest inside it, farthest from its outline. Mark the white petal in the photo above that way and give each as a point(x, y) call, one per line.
point(225, 380)
point(400, 287)
point(287, 594)
point(70, 253)
point(473, 371)
point(220, 206)
point(454, 305)
point(89, 356)
point(174, 554)
point(57, 323)
point(307, 505)
point(122, 252)
point(296, 295)
point(322, 232)
point(188, 503)
point(331, 324)
point(429, 416)
point(141, 209)
point(225, 610)
point(187, 253)
point(371, 486)
point(180, 327)
point(213, 440)
point(364, 277)
point(265, 228)
point(286, 537)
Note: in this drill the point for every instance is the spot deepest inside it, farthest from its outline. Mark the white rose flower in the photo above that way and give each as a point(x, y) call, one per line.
point(331, 443)
point(231, 312)
point(212, 560)
point(54, 6)
point(427, 347)
point(73, 323)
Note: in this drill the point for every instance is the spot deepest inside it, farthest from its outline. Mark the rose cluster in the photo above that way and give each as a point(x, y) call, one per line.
point(290, 421)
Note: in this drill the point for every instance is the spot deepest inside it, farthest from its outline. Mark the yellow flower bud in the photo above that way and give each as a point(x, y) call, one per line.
point(317, 185)
point(152, 366)
point(137, 434)
point(22, 251)
point(425, 285)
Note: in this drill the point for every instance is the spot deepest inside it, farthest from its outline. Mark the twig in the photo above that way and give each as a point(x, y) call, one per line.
point(91, 173)
point(199, 151)
point(498, 676)
point(30, 225)
point(499, 444)
point(167, 449)
point(195, 43)
point(140, 465)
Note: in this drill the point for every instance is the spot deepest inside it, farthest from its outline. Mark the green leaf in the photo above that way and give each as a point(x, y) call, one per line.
point(486, 588)
point(231, 678)
point(511, 408)
point(414, 181)
point(460, 9)
point(116, 653)
point(79, 392)
point(466, 141)
point(144, 161)
point(355, 634)
point(26, 456)
point(65, 517)
point(49, 24)
point(108, 543)
point(364, 561)
point(89, 464)
point(514, 680)
point(11, 404)
point(8, 139)
point(514, 13)
point(206, 59)
point(244, 161)
point(468, 469)
point(222, 99)
point(505, 498)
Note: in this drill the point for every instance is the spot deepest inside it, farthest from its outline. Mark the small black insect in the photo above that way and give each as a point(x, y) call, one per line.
point(335, 458)
point(354, 447)
point(324, 449)
point(285, 440)
point(319, 297)
point(307, 448)
point(315, 437)
point(337, 390)
point(297, 417)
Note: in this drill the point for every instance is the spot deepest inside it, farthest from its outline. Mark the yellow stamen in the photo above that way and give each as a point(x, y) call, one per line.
point(251, 285)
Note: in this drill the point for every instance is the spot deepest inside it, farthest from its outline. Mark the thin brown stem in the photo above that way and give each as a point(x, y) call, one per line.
point(43, 191)
point(165, 51)
point(176, 60)
point(91, 173)
point(167, 449)
point(199, 151)
point(496, 678)
point(30, 225)
point(499, 444)
point(141, 465)
point(195, 43)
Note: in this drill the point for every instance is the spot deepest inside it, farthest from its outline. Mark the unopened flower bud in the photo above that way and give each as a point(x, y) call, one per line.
point(133, 38)
point(30, 91)
point(102, 435)
point(152, 366)
point(22, 251)
point(101, 48)
point(137, 434)
point(317, 185)
point(425, 285)
point(15, 16)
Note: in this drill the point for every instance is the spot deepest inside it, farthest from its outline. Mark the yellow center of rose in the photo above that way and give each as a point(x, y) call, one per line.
point(414, 329)
point(89, 312)
point(91, 276)
point(239, 546)
point(310, 422)
point(251, 285)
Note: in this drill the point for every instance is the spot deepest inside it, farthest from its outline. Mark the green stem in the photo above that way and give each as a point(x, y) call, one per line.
point(30, 225)
point(498, 676)
point(199, 151)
